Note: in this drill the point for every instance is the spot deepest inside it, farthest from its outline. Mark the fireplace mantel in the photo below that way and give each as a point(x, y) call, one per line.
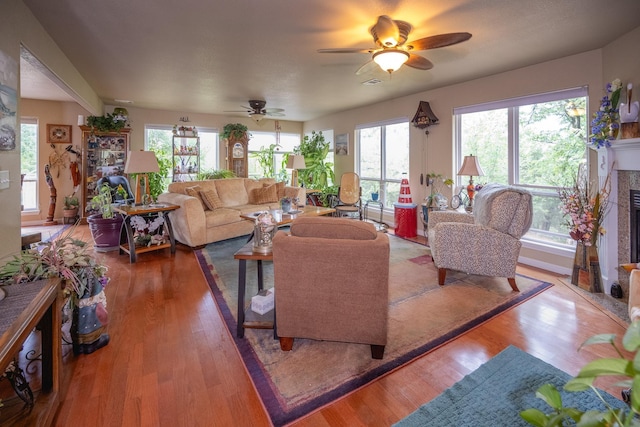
point(625, 154)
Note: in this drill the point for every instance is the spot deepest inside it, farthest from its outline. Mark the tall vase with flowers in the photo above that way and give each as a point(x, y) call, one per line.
point(605, 124)
point(585, 206)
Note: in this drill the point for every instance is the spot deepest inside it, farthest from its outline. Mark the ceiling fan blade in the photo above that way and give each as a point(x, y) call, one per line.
point(347, 50)
point(419, 62)
point(273, 110)
point(441, 40)
point(236, 111)
point(385, 32)
point(274, 114)
point(367, 67)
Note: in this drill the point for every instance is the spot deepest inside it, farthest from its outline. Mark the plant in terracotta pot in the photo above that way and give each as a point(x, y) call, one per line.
point(104, 223)
point(70, 211)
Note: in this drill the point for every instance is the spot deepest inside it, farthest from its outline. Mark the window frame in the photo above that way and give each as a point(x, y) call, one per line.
point(384, 179)
point(513, 146)
point(31, 121)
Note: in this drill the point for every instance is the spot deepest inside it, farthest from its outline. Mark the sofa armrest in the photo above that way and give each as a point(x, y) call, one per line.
point(189, 222)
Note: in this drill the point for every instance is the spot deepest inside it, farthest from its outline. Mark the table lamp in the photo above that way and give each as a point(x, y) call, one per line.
point(471, 167)
point(141, 163)
point(295, 162)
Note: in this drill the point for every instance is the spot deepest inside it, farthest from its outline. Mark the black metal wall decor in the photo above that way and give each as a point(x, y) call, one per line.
point(424, 117)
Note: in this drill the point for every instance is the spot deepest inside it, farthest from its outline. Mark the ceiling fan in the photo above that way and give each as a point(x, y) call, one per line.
point(392, 49)
point(257, 111)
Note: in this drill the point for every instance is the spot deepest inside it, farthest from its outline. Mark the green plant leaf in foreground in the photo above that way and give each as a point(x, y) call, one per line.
point(631, 339)
point(550, 395)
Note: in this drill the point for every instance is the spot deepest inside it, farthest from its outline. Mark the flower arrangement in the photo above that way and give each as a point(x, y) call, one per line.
point(584, 208)
point(147, 233)
point(64, 257)
point(604, 126)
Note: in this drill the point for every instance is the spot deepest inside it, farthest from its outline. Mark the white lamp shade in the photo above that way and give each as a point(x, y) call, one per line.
point(390, 59)
point(296, 161)
point(141, 162)
point(471, 167)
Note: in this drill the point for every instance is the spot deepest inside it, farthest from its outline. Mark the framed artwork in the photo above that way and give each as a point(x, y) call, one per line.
point(59, 134)
point(342, 144)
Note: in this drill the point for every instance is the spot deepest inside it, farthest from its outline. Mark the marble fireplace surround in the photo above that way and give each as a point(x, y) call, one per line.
point(623, 160)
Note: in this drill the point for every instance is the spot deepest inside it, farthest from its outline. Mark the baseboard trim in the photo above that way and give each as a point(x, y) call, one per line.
point(544, 265)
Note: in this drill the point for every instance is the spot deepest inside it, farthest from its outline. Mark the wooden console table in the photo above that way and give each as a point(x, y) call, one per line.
point(26, 306)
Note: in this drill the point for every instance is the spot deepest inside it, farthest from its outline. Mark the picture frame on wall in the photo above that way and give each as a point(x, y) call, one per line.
point(342, 144)
point(59, 134)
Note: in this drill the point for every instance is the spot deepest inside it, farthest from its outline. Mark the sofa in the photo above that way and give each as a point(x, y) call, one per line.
point(331, 277)
point(210, 210)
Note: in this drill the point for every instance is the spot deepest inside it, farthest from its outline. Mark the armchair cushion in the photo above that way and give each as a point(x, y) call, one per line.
point(329, 228)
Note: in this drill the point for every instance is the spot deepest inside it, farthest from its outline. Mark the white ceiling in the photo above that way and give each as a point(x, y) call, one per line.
point(213, 56)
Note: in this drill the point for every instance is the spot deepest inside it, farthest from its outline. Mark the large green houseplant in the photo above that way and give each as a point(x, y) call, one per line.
point(318, 173)
point(234, 131)
point(104, 223)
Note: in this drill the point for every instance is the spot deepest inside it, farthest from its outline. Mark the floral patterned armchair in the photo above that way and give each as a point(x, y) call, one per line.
point(486, 243)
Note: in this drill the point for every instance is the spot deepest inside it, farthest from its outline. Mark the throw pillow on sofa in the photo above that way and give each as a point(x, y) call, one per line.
point(211, 199)
point(267, 194)
point(195, 192)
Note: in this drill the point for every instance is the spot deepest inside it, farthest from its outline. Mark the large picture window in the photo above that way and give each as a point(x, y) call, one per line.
point(382, 158)
point(534, 142)
point(29, 163)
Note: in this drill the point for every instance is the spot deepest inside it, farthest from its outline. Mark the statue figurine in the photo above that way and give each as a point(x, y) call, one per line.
point(53, 195)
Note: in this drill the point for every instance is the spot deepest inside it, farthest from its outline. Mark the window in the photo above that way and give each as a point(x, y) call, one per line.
point(160, 140)
point(382, 158)
point(533, 142)
point(261, 142)
point(29, 163)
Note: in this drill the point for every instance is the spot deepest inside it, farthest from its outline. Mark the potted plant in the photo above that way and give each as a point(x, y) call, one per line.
point(215, 174)
point(234, 131)
point(70, 211)
point(107, 123)
point(626, 373)
point(318, 174)
point(83, 281)
point(104, 223)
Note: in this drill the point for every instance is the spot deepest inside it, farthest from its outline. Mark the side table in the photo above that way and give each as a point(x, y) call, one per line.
point(378, 203)
point(247, 318)
point(127, 240)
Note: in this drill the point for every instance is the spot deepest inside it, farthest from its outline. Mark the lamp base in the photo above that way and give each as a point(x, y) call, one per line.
point(142, 187)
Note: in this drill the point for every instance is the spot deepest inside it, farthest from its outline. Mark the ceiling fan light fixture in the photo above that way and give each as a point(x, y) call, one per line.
point(390, 60)
point(256, 117)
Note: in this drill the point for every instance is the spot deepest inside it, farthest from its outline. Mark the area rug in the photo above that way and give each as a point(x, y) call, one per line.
point(422, 316)
point(510, 379)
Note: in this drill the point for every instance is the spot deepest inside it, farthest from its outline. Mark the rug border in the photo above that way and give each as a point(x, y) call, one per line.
point(265, 388)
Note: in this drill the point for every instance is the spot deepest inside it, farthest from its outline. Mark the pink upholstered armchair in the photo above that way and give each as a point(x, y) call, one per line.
point(331, 280)
point(485, 243)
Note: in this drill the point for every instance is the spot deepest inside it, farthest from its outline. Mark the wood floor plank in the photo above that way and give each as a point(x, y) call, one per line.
point(172, 362)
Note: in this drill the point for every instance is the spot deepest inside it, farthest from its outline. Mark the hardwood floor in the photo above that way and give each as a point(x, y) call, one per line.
point(171, 361)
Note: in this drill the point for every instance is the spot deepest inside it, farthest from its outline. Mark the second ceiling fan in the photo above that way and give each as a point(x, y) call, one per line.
point(392, 49)
point(257, 110)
